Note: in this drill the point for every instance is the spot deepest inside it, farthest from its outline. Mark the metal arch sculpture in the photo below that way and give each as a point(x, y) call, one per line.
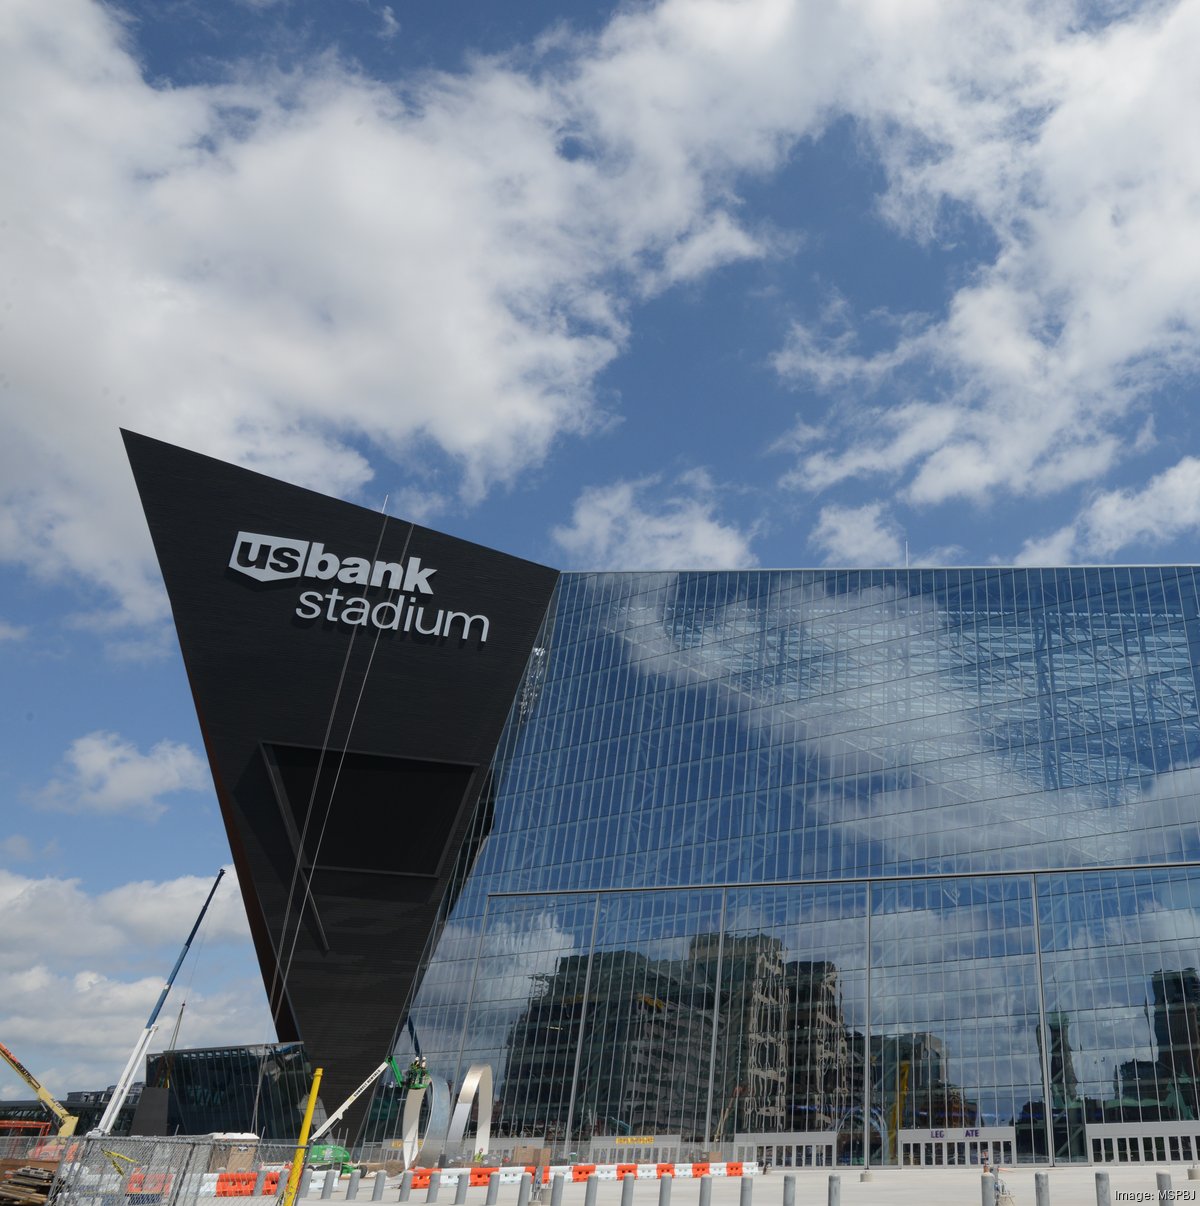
point(412, 1142)
point(476, 1086)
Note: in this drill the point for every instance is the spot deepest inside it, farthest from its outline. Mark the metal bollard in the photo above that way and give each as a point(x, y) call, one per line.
point(627, 1191)
point(1163, 1183)
point(556, 1189)
point(706, 1190)
point(406, 1186)
point(329, 1182)
point(379, 1186)
point(305, 1182)
point(460, 1190)
point(352, 1188)
point(493, 1189)
point(987, 1190)
point(1103, 1192)
point(589, 1192)
point(746, 1196)
point(664, 1190)
point(835, 1190)
point(1041, 1188)
point(259, 1182)
point(789, 1190)
point(523, 1190)
point(435, 1183)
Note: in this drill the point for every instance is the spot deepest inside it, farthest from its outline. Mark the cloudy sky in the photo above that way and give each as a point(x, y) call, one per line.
point(679, 284)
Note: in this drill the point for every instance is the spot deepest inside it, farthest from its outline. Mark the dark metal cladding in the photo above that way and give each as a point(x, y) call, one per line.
point(396, 729)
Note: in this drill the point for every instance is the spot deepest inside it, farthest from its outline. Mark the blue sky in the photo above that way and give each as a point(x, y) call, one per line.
point(686, 284)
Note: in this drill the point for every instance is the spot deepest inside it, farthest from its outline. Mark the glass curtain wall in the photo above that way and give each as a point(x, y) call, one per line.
point(869, 854)
point(722, 1017)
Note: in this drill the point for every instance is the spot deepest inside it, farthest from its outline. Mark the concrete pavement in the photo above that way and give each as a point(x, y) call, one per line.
point(1069, 1186)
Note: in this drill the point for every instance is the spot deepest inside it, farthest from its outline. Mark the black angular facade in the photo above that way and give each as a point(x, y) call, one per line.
point(352, 674)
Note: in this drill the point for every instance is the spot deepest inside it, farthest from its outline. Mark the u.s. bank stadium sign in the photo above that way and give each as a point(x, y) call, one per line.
point(407, 584)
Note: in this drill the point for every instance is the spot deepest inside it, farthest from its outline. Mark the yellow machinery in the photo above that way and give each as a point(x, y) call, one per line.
point(898, 1105)
point(66, 1122)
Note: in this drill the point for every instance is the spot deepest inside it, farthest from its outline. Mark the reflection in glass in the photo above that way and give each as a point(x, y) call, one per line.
point(852, 855)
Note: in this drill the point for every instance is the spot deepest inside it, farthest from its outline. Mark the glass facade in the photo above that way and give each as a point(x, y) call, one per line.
point(260, 1089)
point(840, 866)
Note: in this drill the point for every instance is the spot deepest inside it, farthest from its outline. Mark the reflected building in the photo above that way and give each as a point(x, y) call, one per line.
point(1177, 1028)
point(821, 1084)
point(620, 1038)
point(1165, 1087)
point(750, 1072)
point(261, 1089)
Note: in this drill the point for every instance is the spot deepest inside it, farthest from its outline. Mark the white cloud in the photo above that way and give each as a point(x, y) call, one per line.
point(858, 536)
point(622, 526)
point(390, 27)
point(102, 773)
point(1058, 136)
point(80, 971)
point(57, 920)
point(12, 632)
point(1056, 548)
point(231, 266)
point(718, 241)
point(1167, 507)
point(913, 431)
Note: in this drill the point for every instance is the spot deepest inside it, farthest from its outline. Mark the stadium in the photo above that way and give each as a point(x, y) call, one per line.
point(892, 866)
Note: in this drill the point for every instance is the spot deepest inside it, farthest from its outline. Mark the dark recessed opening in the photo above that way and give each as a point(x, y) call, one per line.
point(385, 814)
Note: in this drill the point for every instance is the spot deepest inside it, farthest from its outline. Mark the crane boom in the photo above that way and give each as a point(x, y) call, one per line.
point(66, 1122)
point(366, 1084)
point(121, 1091)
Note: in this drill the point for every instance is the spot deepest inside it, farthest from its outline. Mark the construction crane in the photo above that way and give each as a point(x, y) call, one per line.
point(121, 1091)
point(66, 1122)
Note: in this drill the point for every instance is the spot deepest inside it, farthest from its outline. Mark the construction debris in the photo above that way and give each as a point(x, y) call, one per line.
point(26, 1186)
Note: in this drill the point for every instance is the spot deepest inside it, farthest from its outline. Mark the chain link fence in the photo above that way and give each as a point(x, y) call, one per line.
point(25, 1147)
point(163, 1172)
point(180, 1171)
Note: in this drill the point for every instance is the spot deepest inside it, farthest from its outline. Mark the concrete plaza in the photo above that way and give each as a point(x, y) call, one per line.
point(1069, 1186)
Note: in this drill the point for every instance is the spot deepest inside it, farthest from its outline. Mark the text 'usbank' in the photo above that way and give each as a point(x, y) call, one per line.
point(276, 558)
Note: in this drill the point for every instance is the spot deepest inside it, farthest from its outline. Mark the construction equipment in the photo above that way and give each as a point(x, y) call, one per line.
point(293, 1181)
point(897, 1115)
point(719, 1131)
point(66, 1122)
point(366, 1084)
point(121, 1091)
point(21, 1127)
